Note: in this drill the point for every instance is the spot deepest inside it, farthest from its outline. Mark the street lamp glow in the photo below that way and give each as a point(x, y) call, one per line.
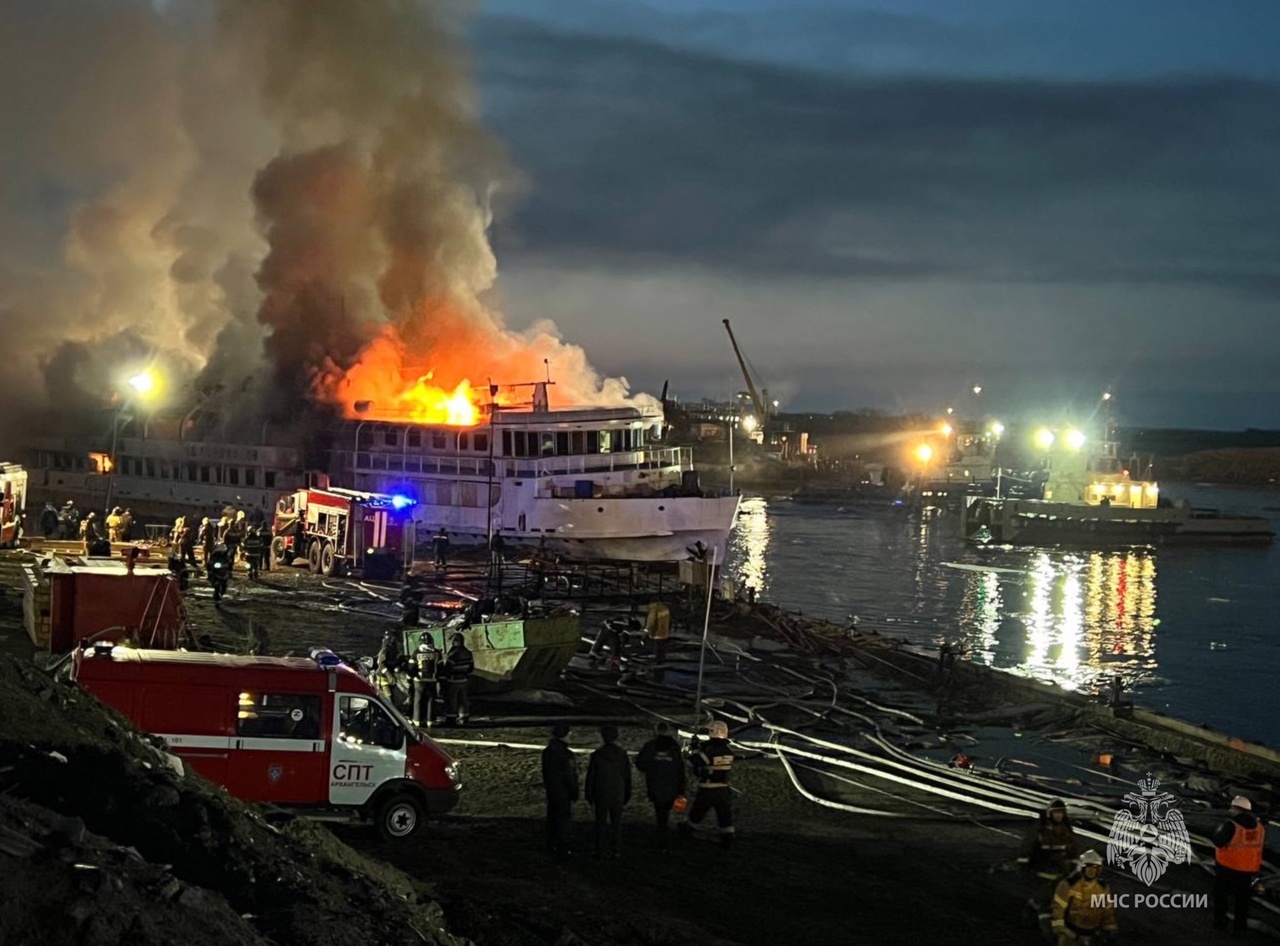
point(924, 453)
point(749, 423)
point(1075, 439)
point(1106, 395)
point(950, 410)
point(977, 389)
point(946, 430)
point(143, 383)
point(1044, 438)
point(997, 430)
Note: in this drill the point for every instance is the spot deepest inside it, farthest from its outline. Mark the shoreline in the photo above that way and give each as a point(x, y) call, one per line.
point(834, 870)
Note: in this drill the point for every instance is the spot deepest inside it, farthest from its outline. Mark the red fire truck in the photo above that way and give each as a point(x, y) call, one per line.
point(340, 530)
point(307, 733)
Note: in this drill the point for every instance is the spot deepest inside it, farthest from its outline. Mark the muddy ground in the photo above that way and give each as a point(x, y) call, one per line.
point(798, 873)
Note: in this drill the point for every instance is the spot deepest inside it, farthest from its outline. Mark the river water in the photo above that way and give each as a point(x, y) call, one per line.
point(1195, 632)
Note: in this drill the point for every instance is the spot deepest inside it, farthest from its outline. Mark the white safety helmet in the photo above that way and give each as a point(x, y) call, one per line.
point(1090, 859)
point(1242, 803)
point(718, 729)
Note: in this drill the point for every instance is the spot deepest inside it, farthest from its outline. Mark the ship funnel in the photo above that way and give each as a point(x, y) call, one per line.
point(540, 403)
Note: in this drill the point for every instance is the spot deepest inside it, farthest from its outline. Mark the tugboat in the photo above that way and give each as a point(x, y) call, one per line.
point(1091, 499)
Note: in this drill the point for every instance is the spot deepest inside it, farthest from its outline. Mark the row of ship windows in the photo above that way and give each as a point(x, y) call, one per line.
point(522, 443)
point(197, 472)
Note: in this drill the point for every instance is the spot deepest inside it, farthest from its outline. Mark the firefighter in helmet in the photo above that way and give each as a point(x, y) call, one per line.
point(712, 761)
point(459, 664)
point(1084, 913)
point(426, 680)
point(1049, 849)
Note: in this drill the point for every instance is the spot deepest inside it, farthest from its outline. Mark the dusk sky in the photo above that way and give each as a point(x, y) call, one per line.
point(892, 201)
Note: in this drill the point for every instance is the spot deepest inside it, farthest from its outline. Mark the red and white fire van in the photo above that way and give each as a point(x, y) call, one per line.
point(297, 732)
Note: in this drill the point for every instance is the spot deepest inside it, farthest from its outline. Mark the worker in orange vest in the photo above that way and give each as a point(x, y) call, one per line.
point(1239, 858)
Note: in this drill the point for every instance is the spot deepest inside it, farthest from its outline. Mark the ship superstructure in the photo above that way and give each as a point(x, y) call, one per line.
point(585, 483)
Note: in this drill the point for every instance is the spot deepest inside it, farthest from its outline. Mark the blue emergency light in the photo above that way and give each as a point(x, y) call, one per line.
point(401, 502)
point(325, 658)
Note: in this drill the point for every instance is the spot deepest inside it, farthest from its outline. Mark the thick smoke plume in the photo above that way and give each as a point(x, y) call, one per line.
point(280, 203)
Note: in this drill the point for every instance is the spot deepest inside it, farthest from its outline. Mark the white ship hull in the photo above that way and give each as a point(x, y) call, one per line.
point(641, 530)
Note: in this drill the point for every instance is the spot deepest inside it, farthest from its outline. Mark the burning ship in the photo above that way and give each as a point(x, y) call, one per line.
point(587, 483)
point(594, 483)
point(326, 284)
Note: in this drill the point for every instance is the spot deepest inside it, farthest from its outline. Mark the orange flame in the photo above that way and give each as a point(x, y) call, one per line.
point(425, 403)
point(421, 369)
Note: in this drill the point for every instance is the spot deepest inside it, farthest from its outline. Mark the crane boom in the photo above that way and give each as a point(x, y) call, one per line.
point(751, 387)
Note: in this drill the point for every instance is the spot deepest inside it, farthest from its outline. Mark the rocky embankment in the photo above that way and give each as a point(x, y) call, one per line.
point(102, 842)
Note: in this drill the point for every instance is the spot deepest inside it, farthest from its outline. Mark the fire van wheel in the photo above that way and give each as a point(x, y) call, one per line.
point(281, 555)
point(313, 558)
point(399, 817)
point(328, 561)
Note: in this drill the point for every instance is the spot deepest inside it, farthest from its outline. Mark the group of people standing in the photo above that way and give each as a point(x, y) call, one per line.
point(608, 788)
point(1082, 909)
point(67, 523)
point(429, 676)
point(240, 536)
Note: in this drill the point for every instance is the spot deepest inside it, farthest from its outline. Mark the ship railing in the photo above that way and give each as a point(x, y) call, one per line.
point(659, 458)
point(644, 459)
point(409, 463)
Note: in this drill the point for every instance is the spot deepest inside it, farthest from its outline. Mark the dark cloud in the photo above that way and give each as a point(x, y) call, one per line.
point(642, 152)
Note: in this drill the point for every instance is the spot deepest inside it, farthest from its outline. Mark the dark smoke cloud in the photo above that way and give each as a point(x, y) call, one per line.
point(124, 204)
point(244, 192)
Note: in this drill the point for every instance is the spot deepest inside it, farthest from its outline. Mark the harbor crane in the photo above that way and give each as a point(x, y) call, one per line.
point(756, 399)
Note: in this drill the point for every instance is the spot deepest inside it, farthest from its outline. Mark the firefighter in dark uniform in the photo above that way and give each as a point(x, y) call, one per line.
point(255, 543)
point(49, 521)
point(459, 664)
point(208, 539)
point(1238, 842)
point(560, 779)
point(440, 545)
point(712, 761)
point(411, 595)
point(1049, 849)
point(426, 680)
point(661, 763)
point(390, 667)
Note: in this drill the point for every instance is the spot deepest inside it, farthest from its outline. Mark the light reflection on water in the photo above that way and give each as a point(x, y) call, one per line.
point(1204, 647)
point(749, 544)
point(1086, 615)
point(1069, 617)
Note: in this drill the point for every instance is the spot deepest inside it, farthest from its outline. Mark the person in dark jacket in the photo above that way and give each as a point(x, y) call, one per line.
point(49, 521)
point(440, 545)
point(609, 788)
point(459, 664)
point(1238, 842)
point(560, 779)
point(1051, 847)
point(664, 778)
point(712, 761)
point(255, 544)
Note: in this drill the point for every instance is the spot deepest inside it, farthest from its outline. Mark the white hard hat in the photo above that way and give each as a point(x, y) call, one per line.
point(1090, 858)
point(1241, 802)
point(718, 729)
